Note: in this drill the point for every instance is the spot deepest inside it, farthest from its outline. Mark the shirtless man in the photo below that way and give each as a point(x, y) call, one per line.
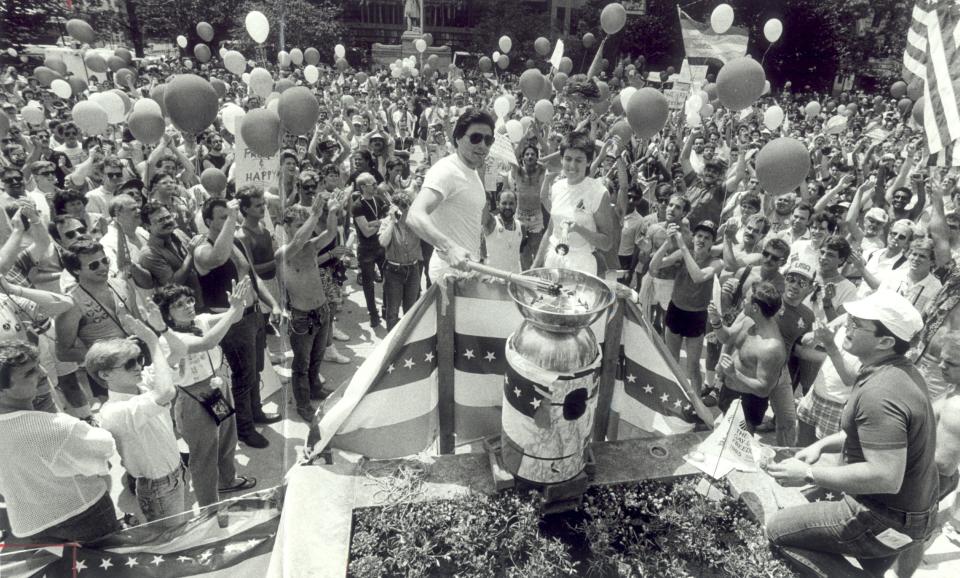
point(309, 313)
point(754, 354)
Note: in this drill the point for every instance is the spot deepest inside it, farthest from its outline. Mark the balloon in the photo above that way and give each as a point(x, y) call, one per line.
point(90, 117)
point(260, 129)
point(220, 86)
point(721, 19)
point(234, 62)
point(566, 65)
point(127, 103)
point(296, 55)
point(543, 111)
point(202, 52)
point(851, 109)
point(740, 83)
point(905, 104)
point(711, 90)
point(622, 129)
point(589, 40)
point(505, 43)
point(707, 111)
point(147, 105)
point(766, 87)
point(773, 117)
point(917, 112)
point(261, 83)
point(898, 90)
point(311, 73)
point(156, 94)
point(95, 62)
point(542, 46)
point(283, 85)
point(694, 119)
point(559, 80)
point(420, 44)
point(531, 83)
point(428, 38)
point(914, 90)
point(342, 64)
point(515, 130)
point(147, 126)
point(612, 18)
point(61, 88)
point(647, 112)
point(458, 85)
point(694, 104)
point(245, 77)
point(283, 59)
point(772, 30)
point(187, 63)
point(339, 51)
point(213, 180)
point(77, 85)
point(495, 56)
point(205, 31)
point(485, 64)
point(503, 62)
point(231, 115)
point(625, 95)
point(347, 101)
point(257, 26)
point(501, 106)
point(32, 113)
point(311, 56)
point(115, 63)
point(182, 41)
point(56, 64)
point(298, 110)
point(81, 31)
point(125, 78)
point(782, 164)
point(812, 109)
point(434, 61)
point(44, 75)
point(191, 103)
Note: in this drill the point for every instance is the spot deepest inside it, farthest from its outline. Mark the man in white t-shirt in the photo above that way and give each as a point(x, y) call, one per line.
point(449, 209)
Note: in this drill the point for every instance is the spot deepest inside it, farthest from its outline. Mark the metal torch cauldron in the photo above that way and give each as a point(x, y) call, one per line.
point(553, 370)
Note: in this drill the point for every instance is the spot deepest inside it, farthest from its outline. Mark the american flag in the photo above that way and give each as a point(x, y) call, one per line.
point(232, 538)
point(931, 56)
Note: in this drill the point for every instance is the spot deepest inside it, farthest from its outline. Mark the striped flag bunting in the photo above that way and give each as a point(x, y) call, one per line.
point(700, 41)
point(199, 546)
point(915, 53)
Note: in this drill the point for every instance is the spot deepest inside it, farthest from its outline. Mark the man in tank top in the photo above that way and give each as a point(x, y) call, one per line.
point(505, 236)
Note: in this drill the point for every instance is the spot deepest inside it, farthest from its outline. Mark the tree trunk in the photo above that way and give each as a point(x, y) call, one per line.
point(133, 22)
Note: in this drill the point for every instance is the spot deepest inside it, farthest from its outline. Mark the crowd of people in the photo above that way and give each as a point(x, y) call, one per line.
point(143, 291)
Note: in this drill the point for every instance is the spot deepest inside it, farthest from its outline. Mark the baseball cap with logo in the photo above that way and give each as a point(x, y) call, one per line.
point(890, 308)
point(801, 267)
point(877, 214)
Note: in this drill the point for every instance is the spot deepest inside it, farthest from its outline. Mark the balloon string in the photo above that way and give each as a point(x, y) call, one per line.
point(769, 46)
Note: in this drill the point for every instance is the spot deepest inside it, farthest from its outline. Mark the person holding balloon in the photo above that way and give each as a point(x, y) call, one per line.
point(582, 217)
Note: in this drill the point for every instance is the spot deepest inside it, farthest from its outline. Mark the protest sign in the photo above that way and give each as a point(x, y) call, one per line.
point(728, 447)
point(253, 169)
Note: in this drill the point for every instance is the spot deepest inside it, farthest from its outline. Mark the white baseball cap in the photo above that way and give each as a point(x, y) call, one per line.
point(890, 308)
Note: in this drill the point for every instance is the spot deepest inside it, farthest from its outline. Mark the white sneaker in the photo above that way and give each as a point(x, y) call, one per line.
point(331, 354)
point(339, 335)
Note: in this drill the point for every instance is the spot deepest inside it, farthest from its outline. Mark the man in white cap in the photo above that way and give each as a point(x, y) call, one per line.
point(886, 469)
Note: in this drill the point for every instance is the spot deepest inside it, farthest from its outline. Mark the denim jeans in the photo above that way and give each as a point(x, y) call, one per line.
point(426, 249)
point(163, 497)
point(401, 286)
point(370, 258)
point(212, 446)
point(97, 521)
point(848, 527)
point(785, 411)
point(309, 332)
point(243, 346)
point(530, 250)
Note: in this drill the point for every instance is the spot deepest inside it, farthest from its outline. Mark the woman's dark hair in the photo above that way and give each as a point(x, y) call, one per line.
point(366, 156)
point(64, 196)
point(470, 117)
point(578, 140)
point(157, 177)
point(71, 257)
point(166, 296)
point(395, 162)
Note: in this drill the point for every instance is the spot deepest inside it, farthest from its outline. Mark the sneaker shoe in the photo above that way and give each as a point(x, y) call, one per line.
point(332, 355)
point(267, 418)
point(375, 322)
point(768, 425)
point(339, 335)
point(254, 440)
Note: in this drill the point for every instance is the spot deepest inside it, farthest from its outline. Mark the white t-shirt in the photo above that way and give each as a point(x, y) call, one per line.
point(828, 383)
point(503, 246)
point(917, 292)
point(459, 215)
point(76, 154)
point(576, 203)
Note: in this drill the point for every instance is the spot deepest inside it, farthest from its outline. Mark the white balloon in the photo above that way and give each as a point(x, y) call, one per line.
point(234, 61)
point(112, 103)
point(258, 27)
point(273, 104)
point(625, 95)
point(32, 113)
point(61, 88)
point(245, 77)
point(421, 45)
point(147, 106)
point(182, 41)
point(231, 115)
point(721, 19)
point(223, 52)
point(693, 119)
point(773, 117)
point(501, 106)
point(515, 130)
point(261, 83)
point(339, 51)
point(311, 73)
point(283, 58)
point(505, 44)
point(772, 30)
point(694, 103)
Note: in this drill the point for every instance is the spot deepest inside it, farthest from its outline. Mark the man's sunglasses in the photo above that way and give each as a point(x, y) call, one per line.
point(114, 175)
point(133, 363)
point(477, 138)
point(798, 280)
point(769, 255)
point(45, 173)
point(13, 179)
point(78, 232)
point(94, 265)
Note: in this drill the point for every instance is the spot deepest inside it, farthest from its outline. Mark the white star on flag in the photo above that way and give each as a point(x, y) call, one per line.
point(408, 363)
point(516, 391)
point(429, 357)
point(105, 563)
point(664, 398)
point(830, 496)
point(490, 356)
point(648, 388)
point(469, 354)
point(676, 403)
point(131, 562)
point(157, 560)
point(390, 368)
point(252, 542)
point(237, 547)
point(206, 555)
point(80, 565)
point(632, 378)
point(184, 559)
point(686, 407)
point(535, 403)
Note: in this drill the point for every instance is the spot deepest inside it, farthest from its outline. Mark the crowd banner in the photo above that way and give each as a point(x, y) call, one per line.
point(439, 374)
point(700, 41)
point(253, 169)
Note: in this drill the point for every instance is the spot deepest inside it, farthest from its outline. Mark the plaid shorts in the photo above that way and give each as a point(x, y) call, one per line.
point(822, 413)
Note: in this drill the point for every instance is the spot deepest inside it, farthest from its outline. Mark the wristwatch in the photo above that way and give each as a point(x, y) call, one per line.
point(808, 476)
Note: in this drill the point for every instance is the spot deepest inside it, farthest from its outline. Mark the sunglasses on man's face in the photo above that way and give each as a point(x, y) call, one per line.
point(133, 363)
point(78, 232)
point(94, 265)
point(70, 134)
point(45, 173)
point(477, 138)
point(771, 256)
point(114, 175)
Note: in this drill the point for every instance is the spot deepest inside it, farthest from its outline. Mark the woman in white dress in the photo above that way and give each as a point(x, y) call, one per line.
point(582, 217)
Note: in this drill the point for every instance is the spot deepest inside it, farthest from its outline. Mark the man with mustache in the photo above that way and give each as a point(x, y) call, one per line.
point(168, 253)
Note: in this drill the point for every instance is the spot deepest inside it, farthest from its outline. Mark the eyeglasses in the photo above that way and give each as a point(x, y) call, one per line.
point(797, 280)
point(772, 256)
point(901, 236)
point(70, 134)
point(45, 173)
point(78, 232)
point(853, 325)
point(132, 363)
point(14, 179)
point(477, 138)
point(94, 265)
point(114, 175)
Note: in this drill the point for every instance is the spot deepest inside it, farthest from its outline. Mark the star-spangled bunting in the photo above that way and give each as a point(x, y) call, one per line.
point(413, 361)
point(483, 355)
point(656, 392)
point(522, 394)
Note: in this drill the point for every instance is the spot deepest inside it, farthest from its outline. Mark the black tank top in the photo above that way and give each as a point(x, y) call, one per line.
point(215, 285)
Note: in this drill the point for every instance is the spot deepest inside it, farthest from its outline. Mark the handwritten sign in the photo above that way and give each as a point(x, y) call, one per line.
point(677, 96)
point(253, 169)
point(557, 55)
